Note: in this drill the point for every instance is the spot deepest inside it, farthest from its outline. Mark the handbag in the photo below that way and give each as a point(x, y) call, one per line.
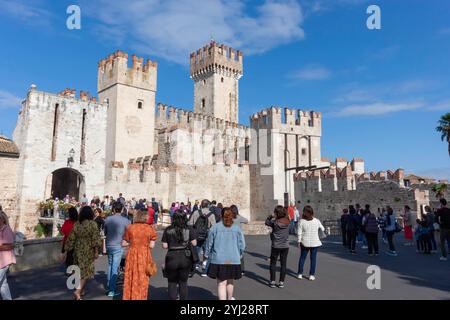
point(151, 269)
point(322, 234)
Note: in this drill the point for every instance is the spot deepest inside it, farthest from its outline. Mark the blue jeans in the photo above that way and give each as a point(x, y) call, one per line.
point(200, 250)
point(313, 256)
point(4, 287)
point(114, 257)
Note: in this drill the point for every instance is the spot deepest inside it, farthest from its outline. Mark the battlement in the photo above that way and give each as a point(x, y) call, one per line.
point(114, 69)
point(71, 93)
point(344, 178)
point(281, 118)
point(169, 117)
point(216, 58)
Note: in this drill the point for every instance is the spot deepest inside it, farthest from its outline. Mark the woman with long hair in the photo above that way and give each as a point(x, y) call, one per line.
point(84, 240)
point(65, 230)
point(390, 230)
point(279, 222)
point(7, 257)
point(179, 240)
point(225, 246)
point(140, 237)
point(308, 241)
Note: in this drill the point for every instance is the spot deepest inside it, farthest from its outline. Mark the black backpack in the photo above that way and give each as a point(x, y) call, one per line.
point(201, 226)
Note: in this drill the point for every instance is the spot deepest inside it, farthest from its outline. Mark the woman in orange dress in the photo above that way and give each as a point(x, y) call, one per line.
point(141, 239)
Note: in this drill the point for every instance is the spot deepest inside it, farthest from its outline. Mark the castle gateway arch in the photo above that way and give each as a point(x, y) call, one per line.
point(65, 181)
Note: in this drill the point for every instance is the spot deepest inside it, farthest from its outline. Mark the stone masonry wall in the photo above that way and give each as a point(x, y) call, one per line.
point(8, 181)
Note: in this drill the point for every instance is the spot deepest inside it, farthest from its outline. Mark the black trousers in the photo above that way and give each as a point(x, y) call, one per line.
point(344, 237)
point(177, 270)
point(351, 239)
point(274, 254)
point(390, 238)
point(372, 242)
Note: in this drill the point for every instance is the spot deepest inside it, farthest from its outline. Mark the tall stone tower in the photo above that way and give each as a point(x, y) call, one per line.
point(216, 70)
point(130, 95)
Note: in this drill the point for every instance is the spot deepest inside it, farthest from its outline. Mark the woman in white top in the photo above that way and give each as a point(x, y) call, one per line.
point(308, 241)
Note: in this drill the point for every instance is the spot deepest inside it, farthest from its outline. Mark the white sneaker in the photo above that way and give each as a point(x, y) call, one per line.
point(364, 247)
point(312, 278)
point(300, 276)
point(233, 298)
point(443, 258)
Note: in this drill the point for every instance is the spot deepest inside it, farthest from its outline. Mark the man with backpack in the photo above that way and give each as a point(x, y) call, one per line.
point(201, 221)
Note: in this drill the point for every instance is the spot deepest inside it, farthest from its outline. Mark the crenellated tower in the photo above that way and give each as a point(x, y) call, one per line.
point(130, 93)
point(216, 70)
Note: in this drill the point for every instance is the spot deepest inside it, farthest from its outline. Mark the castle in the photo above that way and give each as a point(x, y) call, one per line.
point(125, 142)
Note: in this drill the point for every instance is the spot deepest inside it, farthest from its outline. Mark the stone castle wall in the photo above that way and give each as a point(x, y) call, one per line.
point(329, 192)
point(8, 182)
point(34, 138)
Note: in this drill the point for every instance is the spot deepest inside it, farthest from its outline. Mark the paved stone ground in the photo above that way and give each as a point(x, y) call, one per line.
point(339, 276)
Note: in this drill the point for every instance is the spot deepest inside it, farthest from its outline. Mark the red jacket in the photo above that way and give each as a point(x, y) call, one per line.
point(66, 228)
point(151, 216)
point(291, 213)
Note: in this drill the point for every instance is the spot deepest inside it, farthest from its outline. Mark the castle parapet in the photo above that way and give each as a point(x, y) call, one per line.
point(216, 58)
point(114, 69)
point(276, 117)
point(343, 179)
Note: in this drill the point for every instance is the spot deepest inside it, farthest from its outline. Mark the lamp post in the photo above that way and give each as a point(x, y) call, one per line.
point(70, 159)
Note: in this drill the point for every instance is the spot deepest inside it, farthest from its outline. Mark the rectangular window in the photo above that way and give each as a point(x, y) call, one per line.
point(55, 132)
point(303, 151)
point(83, 138)
point(203, 104)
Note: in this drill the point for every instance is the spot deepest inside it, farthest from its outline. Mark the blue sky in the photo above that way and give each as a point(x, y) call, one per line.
point(381, 92)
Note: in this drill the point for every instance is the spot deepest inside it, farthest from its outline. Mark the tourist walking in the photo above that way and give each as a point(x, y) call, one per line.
point(224, 248)
point(202, 220)
point(84, 240)
point(371, 231)
point(179, 240)
point(351, 228)
point(65, 230)
point(382, 224)
point(391, 228)
point(432, 225)
point(238, 220)
point(308, 241)
point(115, 227)
point(156, 209)
point(140, 238)
point(280, 224)
point(100, 217)
point(7, 257)
point(443, 218)
point(344, 219)
point(408, 225)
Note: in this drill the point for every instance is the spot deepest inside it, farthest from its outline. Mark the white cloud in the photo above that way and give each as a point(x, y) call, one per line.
point(312, 73)
point(440, 106)
point(31, 12)
point(8, 100)
point(172, 29)
point(376, 109)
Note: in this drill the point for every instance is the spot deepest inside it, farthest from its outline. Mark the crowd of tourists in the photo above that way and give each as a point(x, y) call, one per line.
point(361, 225)
point(207, 237)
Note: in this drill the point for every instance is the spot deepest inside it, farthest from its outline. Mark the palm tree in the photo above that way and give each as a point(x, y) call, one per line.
point(444, 129)
point(439, 189)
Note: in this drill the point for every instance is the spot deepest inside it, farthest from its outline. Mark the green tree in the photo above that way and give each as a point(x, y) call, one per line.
point(439, 189)
point(444, 129)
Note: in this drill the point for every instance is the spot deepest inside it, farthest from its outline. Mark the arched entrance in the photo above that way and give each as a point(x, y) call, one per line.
point(65, 181)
